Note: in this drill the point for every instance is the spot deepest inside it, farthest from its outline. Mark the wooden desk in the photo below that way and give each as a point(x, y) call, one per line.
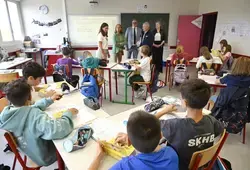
point(15, 63)
point(19, 71)
point(120, 68)
point(211, 80)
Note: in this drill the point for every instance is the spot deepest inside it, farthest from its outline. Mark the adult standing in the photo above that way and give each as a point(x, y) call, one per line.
point(118, 44)
point(147, 37)
point(157, 49)
point(132, 36)
point(102, 51)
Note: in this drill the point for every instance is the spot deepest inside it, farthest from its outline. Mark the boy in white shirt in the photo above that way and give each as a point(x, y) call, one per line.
point(145, 71)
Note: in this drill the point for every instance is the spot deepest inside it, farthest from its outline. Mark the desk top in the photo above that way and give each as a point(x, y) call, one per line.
point(16, 62)
point(109, 65)
point(119, 67)
point(19, 71)
point(81, 159)
point(216, 60)
point(52, 52)
point(31, 50)
point(210, 80)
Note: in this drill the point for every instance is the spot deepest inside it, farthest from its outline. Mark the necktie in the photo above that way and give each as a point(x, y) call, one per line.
point(134, 36)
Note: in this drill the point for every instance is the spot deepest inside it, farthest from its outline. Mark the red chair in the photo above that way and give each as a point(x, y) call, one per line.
point(147, 84)
point(207, 156)
point(8, 136)
point(6, 78)
point(99, 83)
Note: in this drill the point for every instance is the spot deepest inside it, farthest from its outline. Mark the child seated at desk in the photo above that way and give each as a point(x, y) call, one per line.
point(144, 134)
point(33, 74)
point(195, 132)
point(205, 62)
point(145, 71)
point(180, 54)
point(33, 129)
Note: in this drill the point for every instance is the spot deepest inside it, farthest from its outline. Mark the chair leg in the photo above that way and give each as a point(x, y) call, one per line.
point(60, 162)
point(244, 135)
point(14, 164)
point(101, 95)
point(133, 94)
point(104, 89)
point(149, 90)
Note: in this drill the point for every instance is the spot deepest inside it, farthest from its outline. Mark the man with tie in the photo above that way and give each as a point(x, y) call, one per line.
point(132, 36)
point(147, 37)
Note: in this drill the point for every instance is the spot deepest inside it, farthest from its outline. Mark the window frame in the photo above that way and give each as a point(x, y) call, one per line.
point(11, 29)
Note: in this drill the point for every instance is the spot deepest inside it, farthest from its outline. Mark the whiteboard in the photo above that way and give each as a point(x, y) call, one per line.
point(83, 29)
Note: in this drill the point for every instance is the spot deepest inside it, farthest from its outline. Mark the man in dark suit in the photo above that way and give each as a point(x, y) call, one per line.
point(147, 37)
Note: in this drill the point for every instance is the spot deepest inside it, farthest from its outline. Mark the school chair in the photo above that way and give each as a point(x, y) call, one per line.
point(66, 71)
point(9, 137)
point(5, 78)
point(147, 84)
point(99, 83)
point(207, 156)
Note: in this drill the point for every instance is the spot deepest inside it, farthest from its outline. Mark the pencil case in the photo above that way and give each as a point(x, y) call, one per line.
point(116, 151)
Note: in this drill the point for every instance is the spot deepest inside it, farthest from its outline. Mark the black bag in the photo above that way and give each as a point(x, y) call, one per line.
point(103, 62)
point(4, 167)
point(92, 103)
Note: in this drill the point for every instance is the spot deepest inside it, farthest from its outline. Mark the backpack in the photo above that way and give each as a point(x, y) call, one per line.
point(233, 111)
point(180, 72)
point(206, 70)
point(89, 87)
point(60, 74)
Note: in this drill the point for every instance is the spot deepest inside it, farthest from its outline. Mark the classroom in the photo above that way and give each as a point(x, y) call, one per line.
point(104, 84)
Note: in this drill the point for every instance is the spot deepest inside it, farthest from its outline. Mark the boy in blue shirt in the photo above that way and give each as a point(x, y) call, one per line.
point(144, 134)
point(32, 128)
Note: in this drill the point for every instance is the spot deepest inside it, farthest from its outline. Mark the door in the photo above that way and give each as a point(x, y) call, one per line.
point(189, 33)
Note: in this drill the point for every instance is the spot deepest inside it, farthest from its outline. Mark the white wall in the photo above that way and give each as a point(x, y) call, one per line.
point(230, 12)
point(30, 11)
point(82, 7)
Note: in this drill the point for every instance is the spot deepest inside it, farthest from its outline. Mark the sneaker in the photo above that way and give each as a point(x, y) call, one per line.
point(140, 92)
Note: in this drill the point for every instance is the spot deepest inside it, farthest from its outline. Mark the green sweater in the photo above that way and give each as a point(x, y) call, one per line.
point(118, 43)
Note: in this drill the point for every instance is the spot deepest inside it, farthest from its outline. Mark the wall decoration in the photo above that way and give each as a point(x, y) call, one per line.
point(48, 24)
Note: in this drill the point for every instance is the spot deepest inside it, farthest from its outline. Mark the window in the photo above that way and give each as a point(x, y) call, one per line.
point(10, 25)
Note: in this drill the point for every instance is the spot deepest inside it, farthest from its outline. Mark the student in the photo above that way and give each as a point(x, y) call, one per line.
point(33, 74)
point(227, 60)
point(195, 132)
point(223, 43)
point(31, 126)
point(205, 57)
point(144, 134)
point(66, 60)
point(118, 45)
point(145, 71)
point(179, 55)
point(240, 74)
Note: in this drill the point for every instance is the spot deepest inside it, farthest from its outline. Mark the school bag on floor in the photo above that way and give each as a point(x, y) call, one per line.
point(89, 87)
point(180, 72)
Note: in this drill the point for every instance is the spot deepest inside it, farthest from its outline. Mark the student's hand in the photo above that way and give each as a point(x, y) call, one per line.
point(122, 139)
point(56, 96)
point(100, 151)
point(73, 111)
point(50, 93)
point(168, 109)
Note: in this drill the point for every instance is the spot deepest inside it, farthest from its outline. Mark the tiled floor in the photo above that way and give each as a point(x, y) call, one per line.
point(236, 152)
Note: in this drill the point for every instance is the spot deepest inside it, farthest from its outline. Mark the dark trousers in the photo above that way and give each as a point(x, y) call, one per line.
point(135, 78)
point(134, 50)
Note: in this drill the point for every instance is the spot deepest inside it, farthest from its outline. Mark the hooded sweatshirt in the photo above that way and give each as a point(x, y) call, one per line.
point(236, 81)
point(34, 130)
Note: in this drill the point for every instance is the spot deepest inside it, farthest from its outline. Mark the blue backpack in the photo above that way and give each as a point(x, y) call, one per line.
point(89, 87)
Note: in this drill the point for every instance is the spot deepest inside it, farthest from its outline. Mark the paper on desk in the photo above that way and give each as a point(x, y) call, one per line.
point(105, 129)
point(82, 118)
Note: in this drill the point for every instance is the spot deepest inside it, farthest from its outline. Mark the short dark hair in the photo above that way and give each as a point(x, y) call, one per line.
point(196, 92)
point(144, 131)
point(33, 69)
point(18, 92)
point(66, 51)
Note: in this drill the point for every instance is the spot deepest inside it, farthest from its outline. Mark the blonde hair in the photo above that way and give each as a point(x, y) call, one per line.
point(241, 67)
point(116, 28)
point(179, 49)
point(145, 50)
point(87, 54)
